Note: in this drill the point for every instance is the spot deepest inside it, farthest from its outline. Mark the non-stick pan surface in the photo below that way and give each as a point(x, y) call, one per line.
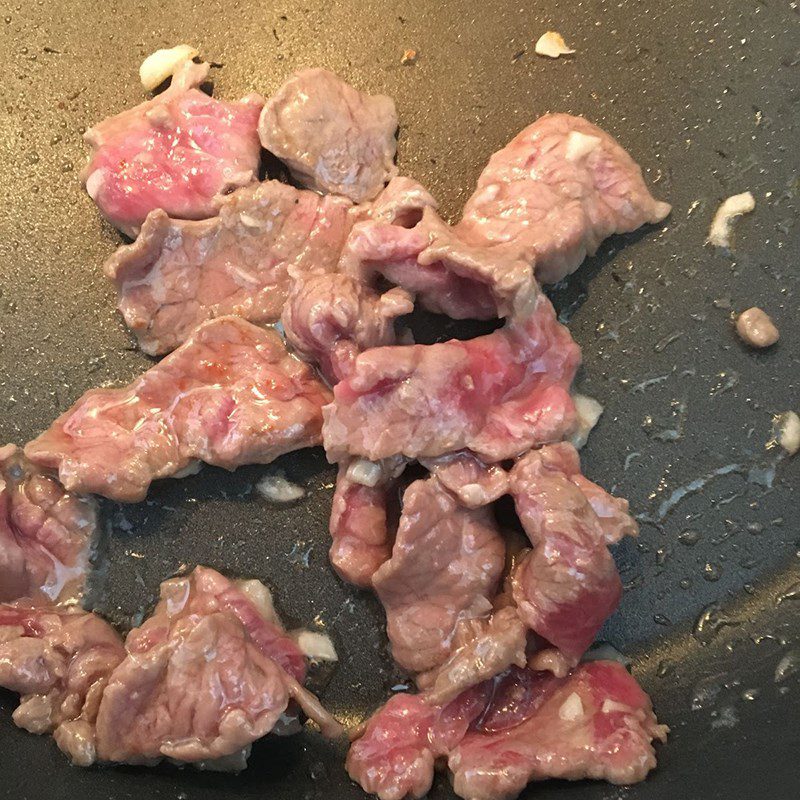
point(705, 95)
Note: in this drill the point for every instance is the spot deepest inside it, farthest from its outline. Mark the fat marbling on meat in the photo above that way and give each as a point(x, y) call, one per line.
point(568, 585)
point(230, 395)
point(46, 533)
point(520, 726)
point(180, 151)
point(497, 395)
point(179, 273)
point(59, 661)
point(332, 137)
point(445, 567)
point(207, 674)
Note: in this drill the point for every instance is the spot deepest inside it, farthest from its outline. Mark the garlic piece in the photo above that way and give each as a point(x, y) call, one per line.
point(722, 225)
point(572, 708)
point(787, 431)
point(756, 328)
point(316, 646)
point(162, 64)
point(552, 45)
point(275, 488)
point(589, 412)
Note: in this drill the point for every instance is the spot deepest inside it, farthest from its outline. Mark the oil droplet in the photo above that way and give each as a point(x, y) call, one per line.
point(685, 583)
point(787, 666)
point(712, 572)
point(661, 619)
point(67, 166)
point(662, 554)
point(710, 622)
point(32, 158)
point(689, 538)
point(750, 694)
point(56, 139)
point(664, 668)
point(792, 593)
point(706, 691)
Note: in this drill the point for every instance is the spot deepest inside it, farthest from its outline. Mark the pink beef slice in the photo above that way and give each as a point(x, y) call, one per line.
point(497, 395)
point(180, 152)
point(595, 723)
point(480, 649)
point(474, 483)
point(207, 674)
point(45, 533)
point(231, 395)
point(330, 318)
point(179, 273)
point(446, 274)
point(545, 201)
point(394, 755)
point(59, 661)
point(518, 727)
point(568, 585)
point(359, 527)
point(445, 567)
point(333, 138)
point(555, 192)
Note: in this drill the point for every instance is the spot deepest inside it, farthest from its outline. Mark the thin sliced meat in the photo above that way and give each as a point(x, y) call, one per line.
point(445, 566)
point(59, 661)
point(231, 395)
point(482, 649)
point(178, 274)
point(497, 395)
point(331, 318)
point(206, 591)
point(514, 728)
point(205, 676)
point(595, 723)
point(181, 152)
point(358, 524)
point(393, 756)
point(474, 483)
point(568, 585)
point(555, 192)
point(46, 534)
point(445, 274)
point(332, 137)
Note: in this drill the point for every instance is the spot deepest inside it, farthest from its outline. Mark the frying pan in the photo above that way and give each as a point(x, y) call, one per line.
point(704, 94)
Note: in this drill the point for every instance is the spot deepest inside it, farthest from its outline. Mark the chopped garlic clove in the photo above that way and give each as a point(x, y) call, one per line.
point(572, 708)
point(275, 488)
point(159, 66)
point(579, 145)
point(756, 328)
point(552, 45)
point(316, 646)
point(589, 412)
point(787, 431)
point(722, 225)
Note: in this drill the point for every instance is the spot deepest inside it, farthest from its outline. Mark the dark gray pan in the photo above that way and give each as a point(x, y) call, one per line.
point(705, 95)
